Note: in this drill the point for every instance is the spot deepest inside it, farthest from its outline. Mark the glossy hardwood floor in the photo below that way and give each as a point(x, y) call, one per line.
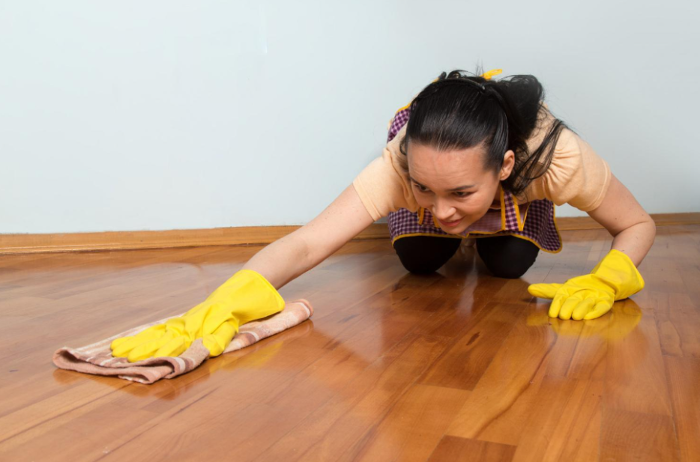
point(450, 367)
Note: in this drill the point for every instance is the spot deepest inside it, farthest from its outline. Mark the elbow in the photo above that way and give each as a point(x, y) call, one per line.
point(652, 224)
point(646, 230)
point(643, 229)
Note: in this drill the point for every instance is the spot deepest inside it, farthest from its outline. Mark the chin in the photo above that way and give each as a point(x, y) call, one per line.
point(457, 231)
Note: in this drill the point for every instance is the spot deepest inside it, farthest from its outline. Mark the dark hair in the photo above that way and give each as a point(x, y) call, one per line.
point(458, 111)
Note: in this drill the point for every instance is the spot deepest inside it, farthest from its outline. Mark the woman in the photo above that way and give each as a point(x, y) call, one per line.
point(470, 156)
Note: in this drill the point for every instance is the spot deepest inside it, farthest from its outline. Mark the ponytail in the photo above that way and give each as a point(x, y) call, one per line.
point(459, 111)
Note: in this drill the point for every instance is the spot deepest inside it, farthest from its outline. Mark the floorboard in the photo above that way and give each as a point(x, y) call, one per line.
point(457, 365)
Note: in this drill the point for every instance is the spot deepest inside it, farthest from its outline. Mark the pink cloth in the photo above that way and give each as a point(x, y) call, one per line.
point(97, 358)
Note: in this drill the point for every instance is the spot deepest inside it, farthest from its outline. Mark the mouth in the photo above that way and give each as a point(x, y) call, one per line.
point(450, 224)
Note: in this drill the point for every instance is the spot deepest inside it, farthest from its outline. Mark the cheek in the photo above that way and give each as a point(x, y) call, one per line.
point(469, 211)
point(423, 201)
point(474, 208)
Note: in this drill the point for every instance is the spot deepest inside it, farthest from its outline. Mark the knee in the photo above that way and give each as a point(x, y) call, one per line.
point(507, 257)
point(421, 263)
point(511, 270)
point(424, 254)
point(420, 267)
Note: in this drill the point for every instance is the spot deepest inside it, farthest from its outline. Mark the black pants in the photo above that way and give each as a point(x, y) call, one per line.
point(504, 256)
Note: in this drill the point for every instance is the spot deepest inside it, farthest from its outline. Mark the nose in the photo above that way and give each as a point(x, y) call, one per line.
point(443, 210)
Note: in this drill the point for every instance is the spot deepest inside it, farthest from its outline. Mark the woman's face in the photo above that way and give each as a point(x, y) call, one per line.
point(453, 185)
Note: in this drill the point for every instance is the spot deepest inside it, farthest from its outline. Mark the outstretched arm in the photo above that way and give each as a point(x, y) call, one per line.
point(632, 227)
point(298, 252)
point(616, 276)
point(248, 294)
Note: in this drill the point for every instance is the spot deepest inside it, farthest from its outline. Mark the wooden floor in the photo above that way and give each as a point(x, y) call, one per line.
point(450, 367)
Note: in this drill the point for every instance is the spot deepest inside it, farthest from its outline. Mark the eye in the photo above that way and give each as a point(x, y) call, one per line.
point(420, 187)
point(463, 194)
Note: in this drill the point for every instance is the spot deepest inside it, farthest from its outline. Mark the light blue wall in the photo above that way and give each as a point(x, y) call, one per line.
point(151, 115)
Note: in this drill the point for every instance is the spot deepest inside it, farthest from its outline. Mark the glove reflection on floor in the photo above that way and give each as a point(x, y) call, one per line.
point(623, 319)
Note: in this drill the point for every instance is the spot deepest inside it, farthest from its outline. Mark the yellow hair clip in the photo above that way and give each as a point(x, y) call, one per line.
point(491, 73)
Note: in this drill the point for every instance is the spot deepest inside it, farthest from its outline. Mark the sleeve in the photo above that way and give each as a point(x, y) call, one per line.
point(577, 175)
point(383, 185)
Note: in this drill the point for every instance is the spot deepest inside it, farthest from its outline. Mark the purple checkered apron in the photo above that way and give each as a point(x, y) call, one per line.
point(533, 221)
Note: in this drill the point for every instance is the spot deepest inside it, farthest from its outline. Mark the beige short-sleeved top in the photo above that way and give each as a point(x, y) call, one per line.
point(577, 175)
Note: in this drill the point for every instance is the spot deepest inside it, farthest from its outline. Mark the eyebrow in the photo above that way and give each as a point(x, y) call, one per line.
point(449, 190)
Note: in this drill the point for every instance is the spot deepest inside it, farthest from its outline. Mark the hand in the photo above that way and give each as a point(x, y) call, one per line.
point(582, 297)
point(592, 295)
point(246, 296)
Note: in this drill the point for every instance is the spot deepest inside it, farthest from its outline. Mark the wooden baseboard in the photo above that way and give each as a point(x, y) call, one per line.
point(132, 240)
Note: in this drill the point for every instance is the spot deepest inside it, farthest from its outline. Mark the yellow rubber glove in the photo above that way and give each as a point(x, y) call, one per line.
point(591, 296)
point(245, 297)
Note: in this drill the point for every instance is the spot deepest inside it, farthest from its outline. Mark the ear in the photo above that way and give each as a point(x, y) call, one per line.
point(508, 164)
